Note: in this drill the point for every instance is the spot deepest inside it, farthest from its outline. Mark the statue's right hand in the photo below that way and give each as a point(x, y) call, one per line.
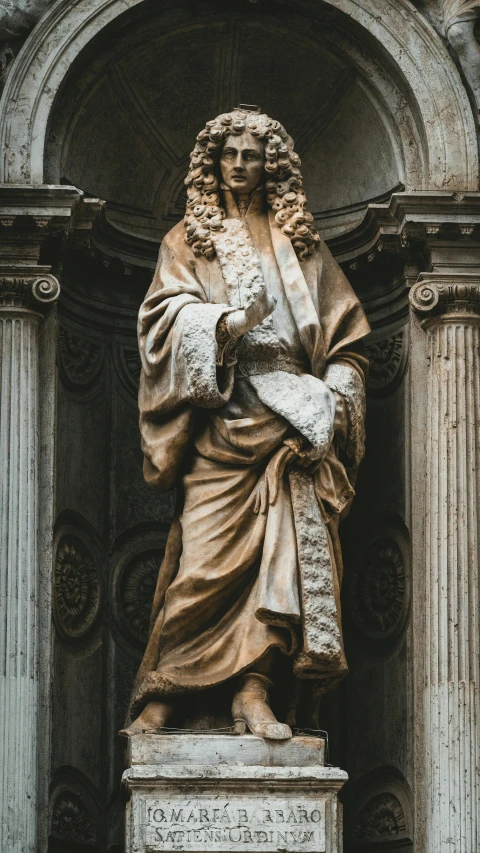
point(241, 321)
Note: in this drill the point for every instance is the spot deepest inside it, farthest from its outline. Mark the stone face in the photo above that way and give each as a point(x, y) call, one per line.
point(225, 798)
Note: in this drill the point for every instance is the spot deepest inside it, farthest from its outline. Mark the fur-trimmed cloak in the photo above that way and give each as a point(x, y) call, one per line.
point(253, 560)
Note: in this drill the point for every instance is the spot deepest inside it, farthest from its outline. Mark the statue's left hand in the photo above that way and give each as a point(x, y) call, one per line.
point(306, 455)
point(310, 457)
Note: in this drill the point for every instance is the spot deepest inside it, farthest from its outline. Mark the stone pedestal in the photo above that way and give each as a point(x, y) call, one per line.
point(229, 793)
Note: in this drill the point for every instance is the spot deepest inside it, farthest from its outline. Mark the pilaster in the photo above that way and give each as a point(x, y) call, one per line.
point(24, 298)
point(445, 354)
point(33, 221)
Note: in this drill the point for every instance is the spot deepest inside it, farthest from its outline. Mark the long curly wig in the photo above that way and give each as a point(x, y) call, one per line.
point(283, 184)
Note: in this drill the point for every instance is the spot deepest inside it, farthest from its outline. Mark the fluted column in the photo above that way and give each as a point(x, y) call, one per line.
point(23, 299)
point(450, 306)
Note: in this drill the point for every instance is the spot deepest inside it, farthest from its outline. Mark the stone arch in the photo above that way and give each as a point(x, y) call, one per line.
point(445, 118)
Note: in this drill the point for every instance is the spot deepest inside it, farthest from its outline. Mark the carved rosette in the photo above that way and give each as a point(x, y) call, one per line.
point(378, 590)
point(77, 589)
point(80, 359)
point(71, 820)
point(381, 819)
point(388, 359)
point(135, 592)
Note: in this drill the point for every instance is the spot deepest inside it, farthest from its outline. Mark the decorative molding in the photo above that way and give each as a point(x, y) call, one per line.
point(77, 589)
point(410, 217)
point(28, 292)
point(80, 358)
point(437, 295)
point(381, 819)
point(450, 151)
point(388, 359)
point(379, 589)
point(71, 819)
point(30, 214)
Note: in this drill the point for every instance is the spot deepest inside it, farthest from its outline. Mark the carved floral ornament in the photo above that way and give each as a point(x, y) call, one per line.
point(80, 358)
point(71, 820)
point(378, 590)
point(444, 296)
point(381, 819)
point(387, 359)
point(77, 591)
point(135, 588)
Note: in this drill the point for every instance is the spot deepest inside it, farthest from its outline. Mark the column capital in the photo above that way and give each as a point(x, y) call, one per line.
point(437, 295)
point(27, 289)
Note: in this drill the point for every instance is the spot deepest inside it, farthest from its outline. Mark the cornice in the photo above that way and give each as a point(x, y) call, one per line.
point(407, 221)
point(42, 203)
point(411, 218)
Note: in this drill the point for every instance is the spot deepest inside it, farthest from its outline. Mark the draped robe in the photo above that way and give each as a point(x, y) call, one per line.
point(252, 561)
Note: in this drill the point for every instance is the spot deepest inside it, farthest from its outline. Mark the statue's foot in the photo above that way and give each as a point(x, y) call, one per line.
point(153, 718)
point(250, 710)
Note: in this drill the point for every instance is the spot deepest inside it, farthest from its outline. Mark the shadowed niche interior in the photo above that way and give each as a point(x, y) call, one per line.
point(126, 120)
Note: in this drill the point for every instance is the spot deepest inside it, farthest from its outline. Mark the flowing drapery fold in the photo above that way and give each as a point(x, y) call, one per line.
point(252, 561)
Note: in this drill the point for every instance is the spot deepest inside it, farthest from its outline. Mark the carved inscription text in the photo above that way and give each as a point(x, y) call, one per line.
point(224, 825)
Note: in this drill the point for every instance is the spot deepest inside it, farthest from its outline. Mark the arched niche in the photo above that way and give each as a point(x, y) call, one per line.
point(124, 121)
point(406, 116)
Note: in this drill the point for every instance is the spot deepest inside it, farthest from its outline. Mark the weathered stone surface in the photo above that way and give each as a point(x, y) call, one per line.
point(245, 751)
point(375, 101)
point(24, 296)
point(211, 802)
point(449, 306)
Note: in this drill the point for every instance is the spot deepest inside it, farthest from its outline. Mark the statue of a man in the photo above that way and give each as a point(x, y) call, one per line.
point(252, 404)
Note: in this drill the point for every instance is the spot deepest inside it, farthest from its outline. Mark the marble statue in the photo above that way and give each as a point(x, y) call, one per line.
point(251, 403)
point(460, 23)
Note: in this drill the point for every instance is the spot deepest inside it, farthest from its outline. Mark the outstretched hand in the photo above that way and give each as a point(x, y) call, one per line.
point(261, 307)
point(306, 455)
point(244, 319)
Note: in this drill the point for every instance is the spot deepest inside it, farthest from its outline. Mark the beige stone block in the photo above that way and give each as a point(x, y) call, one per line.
point(228, 793)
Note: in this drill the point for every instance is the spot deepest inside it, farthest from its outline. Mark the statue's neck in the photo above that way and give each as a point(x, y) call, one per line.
point(239, 204)
point(243, 202)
